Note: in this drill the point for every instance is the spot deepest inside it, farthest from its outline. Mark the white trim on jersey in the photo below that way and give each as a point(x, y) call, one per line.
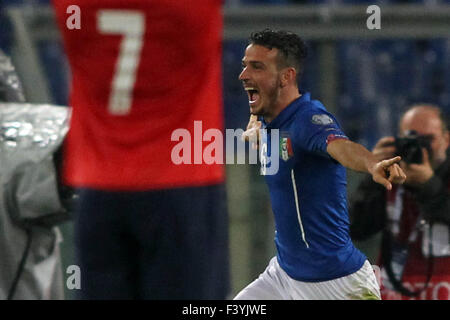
point(298, 208)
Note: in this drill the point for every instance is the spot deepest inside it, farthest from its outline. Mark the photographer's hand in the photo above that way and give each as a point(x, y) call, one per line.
point(384, 148)
point(417, 174)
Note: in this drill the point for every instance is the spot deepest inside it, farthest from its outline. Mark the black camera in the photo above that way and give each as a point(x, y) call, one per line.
point(410, 147)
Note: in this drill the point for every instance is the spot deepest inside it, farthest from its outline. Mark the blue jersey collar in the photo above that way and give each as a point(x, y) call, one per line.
point(287, 112)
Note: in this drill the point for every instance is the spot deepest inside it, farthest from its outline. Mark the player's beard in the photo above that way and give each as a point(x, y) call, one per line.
point(267, 101)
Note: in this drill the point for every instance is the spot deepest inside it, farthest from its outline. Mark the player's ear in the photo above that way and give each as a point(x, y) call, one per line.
point(288, 75)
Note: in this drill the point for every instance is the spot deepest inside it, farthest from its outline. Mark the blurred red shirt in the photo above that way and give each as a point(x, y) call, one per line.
point(140, 70)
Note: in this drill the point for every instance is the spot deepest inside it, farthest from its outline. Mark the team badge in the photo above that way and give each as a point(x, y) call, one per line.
point(286, 150)
point(321, 119)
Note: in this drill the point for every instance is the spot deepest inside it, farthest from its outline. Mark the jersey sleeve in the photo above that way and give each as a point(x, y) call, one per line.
point(314, 130)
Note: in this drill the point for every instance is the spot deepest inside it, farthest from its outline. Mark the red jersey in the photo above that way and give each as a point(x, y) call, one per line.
point(140, 70)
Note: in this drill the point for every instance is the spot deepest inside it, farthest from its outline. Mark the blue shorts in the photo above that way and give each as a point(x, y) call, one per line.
point(164, 244)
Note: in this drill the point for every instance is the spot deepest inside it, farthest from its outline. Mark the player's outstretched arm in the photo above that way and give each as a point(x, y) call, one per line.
point(356, 157)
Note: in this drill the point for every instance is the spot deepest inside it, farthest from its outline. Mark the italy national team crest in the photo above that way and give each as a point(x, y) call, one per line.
point(286, 150)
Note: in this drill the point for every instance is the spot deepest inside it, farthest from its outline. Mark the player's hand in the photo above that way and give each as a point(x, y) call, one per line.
point(384, 148)
point(252, 132)
point(418, 173)
point(387, 172)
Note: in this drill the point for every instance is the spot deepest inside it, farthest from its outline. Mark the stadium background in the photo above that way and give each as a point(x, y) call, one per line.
point(366, 77)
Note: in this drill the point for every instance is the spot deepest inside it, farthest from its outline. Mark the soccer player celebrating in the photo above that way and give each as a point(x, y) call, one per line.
point(316, 258)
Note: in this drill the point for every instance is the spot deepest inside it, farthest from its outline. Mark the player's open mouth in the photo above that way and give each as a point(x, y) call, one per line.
point(253, 94)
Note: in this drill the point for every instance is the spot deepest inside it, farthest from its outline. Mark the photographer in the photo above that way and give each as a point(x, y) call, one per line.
point(414, 217)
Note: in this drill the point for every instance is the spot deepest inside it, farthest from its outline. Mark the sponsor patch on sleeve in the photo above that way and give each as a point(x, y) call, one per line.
point(321, 119)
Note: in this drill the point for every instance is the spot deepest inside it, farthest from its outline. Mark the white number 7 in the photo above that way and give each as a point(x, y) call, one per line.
point(130, 24)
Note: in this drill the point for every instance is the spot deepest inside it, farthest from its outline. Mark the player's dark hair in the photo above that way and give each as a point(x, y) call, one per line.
point(292, 49)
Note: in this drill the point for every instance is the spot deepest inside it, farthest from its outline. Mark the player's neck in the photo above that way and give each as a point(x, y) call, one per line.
point(284, 100)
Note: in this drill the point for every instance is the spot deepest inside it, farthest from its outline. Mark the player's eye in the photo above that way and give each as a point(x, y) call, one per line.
point(257, 66)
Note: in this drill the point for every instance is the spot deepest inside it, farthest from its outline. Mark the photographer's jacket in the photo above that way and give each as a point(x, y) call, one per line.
point(419, 221)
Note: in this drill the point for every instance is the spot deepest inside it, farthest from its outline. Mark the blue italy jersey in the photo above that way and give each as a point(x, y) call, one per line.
point(308, 194)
